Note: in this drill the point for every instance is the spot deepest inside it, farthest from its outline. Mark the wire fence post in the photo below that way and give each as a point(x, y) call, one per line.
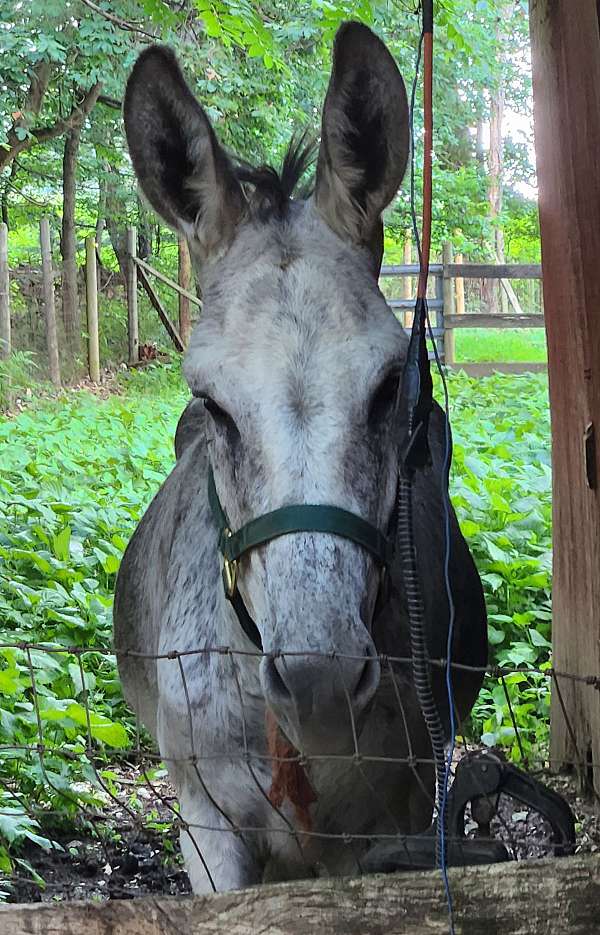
point(448, 297)
point(185, 281)
point(91, 293)
point(5, 339)
point(49, 304)
point(133, 333)
point(459, 289)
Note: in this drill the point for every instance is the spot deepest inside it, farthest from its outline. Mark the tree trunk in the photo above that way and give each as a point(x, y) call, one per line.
point(68, 243)
point(566, 94)
point(116, 219)
point(492, 289)
point(6, 193)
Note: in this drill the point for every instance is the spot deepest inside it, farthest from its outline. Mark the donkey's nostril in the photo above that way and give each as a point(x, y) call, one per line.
point(368, 679)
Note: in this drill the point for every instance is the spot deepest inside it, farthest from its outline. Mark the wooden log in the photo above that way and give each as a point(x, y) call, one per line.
point(566, 91)
point(91, 292)
point(49, 305)
point(133, 330)
point(449, 308)
point(530, 897)
point(480, 320)
point(5, 338)
point(157, 304)
point(141, 264)
point(512, 296)
point(185, 281)
point(494, 271)
point(459, 289)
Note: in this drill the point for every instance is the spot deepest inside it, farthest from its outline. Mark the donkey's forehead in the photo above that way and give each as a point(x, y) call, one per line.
point(291, 296)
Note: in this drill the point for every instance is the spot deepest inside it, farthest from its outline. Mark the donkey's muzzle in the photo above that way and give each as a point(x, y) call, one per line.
point(315, 696)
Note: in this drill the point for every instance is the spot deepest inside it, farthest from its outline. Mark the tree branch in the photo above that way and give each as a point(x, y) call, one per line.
point(110, 102)
point(117, 21)
point(43, 134)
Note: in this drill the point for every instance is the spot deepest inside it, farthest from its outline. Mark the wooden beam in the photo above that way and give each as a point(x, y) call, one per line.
point(168, 282)
point(449, 306)
point(433, 304)
point(409, 269)
point(480, 320)
point(185, 280)
point(493, 271)
point(512, 296)
point(566, 93)
point(154, 299)
point(5, 339)
point(133, 328)
point(529, 897)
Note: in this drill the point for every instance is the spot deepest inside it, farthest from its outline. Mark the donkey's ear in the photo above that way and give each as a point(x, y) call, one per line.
point(364, 137)
point(184, 173)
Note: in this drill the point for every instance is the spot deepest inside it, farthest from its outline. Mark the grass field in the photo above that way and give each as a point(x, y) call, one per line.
point(78, 472)
point(500, 345)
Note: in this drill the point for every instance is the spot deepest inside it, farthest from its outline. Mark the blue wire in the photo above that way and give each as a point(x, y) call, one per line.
point(443, 804)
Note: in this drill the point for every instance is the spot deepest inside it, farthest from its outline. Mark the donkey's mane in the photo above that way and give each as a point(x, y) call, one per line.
point(272, 190)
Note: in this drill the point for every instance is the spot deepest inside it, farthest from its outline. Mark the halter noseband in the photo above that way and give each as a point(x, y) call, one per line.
point(303, 517)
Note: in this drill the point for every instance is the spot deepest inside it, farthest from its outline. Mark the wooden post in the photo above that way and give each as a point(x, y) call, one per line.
point(408, 290)
point(91, 292)
point(566, 95)
point(448, 296)
point(459, 289)
point(49, 306)
point(133, 332)
point(5, 342)
point(185, 281)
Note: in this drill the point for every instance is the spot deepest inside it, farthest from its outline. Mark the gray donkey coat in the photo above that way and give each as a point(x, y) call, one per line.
point(295, 363)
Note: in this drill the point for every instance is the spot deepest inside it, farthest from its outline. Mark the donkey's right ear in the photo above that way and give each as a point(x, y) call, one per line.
point(183, 171)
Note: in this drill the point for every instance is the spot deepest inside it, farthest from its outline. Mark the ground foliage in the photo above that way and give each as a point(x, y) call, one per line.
point(77, 475)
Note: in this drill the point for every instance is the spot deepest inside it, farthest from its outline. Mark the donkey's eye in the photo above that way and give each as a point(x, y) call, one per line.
point(222, 420)
point(213, 408)
point(383, 399)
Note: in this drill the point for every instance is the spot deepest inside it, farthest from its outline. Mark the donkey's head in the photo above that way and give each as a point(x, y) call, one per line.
point(297, 356)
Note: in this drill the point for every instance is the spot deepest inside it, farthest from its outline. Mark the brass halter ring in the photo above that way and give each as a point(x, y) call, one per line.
point(230, 570)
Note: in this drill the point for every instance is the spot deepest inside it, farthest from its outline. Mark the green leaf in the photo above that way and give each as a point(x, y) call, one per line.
point(60, 544)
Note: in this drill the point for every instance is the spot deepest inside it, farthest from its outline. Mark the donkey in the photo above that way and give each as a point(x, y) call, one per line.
point(292, 739)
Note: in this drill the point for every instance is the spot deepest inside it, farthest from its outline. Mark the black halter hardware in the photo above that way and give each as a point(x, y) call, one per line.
point(303, 517)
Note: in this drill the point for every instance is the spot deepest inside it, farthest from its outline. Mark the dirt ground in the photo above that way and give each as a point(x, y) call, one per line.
point(135, 856)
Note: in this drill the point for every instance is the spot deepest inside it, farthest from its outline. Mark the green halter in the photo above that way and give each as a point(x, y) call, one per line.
point(304, 517)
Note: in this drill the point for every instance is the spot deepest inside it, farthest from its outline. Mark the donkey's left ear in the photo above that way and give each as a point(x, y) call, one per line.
point(364, 137)
point(183, 171)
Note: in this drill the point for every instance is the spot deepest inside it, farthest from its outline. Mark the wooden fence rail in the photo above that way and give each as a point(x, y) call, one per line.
point(448, 305)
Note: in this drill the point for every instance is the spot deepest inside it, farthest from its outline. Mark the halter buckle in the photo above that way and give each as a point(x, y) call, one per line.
point(230, 569)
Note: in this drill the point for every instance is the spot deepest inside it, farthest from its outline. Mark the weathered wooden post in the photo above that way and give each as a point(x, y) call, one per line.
point(49, 306)
point(185, 281)
point(459, 290)
point(407, 281)
point(91, 293)
point(566, 97)
point(5, 340)
point(448, 296)
point(133, 332)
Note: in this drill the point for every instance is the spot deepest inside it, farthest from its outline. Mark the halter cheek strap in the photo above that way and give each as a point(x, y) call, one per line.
point(303, 517)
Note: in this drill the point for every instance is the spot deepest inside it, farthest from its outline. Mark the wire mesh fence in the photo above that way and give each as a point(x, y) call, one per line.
point(109, 826)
